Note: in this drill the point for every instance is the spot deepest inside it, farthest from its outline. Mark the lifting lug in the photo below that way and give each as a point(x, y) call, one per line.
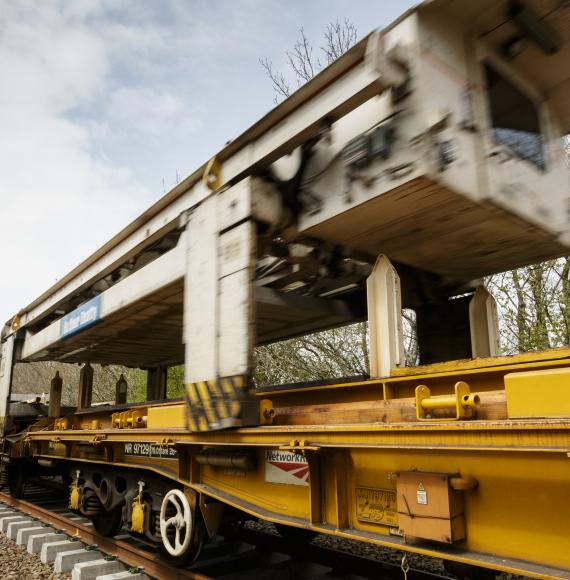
point(266, 412)
point(16, 322)
point(212, 176)
point(463, 401)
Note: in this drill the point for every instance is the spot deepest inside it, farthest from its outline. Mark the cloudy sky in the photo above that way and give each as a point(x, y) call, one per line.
point(103, 103)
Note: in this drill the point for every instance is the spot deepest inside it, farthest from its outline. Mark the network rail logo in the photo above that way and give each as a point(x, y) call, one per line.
point(286, 467)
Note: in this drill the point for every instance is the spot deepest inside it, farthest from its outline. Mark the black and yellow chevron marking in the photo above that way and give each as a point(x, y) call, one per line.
point(214, 404)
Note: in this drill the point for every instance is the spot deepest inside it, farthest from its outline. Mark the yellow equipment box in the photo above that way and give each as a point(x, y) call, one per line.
point(544, 393)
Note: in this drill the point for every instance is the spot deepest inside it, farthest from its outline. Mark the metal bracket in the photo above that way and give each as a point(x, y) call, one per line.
point(212, 177)
point(266, 412)
point(16, 322)
point(130, 419)
point(298, 447)
point(61, 424)
point(97, 439)
point(463, 401)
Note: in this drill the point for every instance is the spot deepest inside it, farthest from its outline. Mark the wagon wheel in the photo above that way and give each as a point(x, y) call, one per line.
point(109, 522)
point(180, 532)
point(17, 478)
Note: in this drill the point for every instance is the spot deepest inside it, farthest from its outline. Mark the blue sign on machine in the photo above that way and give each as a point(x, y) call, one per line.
point(82, 317)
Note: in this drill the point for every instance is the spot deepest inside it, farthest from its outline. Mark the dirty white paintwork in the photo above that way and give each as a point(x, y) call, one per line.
point(441, 53)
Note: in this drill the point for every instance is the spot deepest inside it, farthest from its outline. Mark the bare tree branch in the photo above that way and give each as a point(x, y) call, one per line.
point(339, 38)
point(302, 61)
point(280, 85)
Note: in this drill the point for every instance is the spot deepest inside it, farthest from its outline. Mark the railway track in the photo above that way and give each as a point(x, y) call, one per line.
point(238, 553)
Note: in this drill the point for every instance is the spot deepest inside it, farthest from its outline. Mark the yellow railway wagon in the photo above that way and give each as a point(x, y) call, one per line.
point(426, 157)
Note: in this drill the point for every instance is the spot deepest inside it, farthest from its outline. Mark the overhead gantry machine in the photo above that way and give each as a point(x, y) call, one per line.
point(427, 157)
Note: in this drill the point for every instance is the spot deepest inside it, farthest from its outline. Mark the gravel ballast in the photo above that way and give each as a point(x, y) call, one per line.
point(17, 564)
point(416, 561)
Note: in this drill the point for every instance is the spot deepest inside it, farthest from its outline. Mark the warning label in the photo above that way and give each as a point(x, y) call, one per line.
point(286, 467)
point(421, 496)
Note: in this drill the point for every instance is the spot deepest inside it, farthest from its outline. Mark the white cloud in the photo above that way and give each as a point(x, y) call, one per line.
point(58, 198)
point(152, 111)
point(51, 60)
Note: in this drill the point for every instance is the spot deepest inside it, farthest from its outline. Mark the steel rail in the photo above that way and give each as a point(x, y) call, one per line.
point(125, 552)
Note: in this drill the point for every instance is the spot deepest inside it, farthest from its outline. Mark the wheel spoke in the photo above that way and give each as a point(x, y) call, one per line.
point(171, 521)
point(178, 507)
point(177, 539)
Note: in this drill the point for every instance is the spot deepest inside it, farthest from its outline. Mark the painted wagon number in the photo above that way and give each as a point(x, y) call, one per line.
point(150, 450)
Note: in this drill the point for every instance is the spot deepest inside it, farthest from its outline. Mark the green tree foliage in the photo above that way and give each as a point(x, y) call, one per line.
point(340, 352)
point(35, 378)
point(534, 306)
point(175, 382)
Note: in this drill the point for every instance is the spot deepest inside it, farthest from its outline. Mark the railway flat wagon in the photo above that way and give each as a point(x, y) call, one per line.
point(428, 156)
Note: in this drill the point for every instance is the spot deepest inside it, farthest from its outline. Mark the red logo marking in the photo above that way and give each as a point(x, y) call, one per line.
point(301, 471)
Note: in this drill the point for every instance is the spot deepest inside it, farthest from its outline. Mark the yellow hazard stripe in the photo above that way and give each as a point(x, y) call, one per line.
point(220, 402)
point(231, 390)
point(206, 399)
point(196, 408)
point(211, 402)
point(192, 425)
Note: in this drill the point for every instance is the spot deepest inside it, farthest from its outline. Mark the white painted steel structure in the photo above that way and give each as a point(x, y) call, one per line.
point(395, 149)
